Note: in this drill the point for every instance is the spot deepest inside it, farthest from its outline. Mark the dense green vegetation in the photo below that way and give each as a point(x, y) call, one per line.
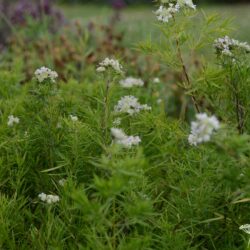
point(56, 136)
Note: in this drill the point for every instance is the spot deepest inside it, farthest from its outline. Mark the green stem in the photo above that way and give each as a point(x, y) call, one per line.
point(106, 108)
point(114, 226)
point(238, 106)
point(184, 71)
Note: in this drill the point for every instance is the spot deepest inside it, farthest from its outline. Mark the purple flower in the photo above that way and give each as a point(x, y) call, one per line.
point(118, 4)
point(17, 11)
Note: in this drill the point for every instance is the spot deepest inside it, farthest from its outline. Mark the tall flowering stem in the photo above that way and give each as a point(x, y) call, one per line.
point(184, 71)
point(233, 57)
point(165, 14)
point(239, 111)
point(111, 67)
point(106, 105)
point(43, 92)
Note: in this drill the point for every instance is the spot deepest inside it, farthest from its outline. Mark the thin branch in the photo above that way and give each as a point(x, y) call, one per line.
point(184, 71)
point(238, 106)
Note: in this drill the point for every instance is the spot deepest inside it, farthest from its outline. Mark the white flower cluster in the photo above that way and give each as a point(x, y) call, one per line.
point(164, 14)
point(110, 63)
point(44, 73)
point(49, 198)
point(12, 120)
point(130, 82)
point(130, 105)
point(202, 128)
point(226, 46)
point(62, 182)
point(245, 228)
point(122, 139)
point(73, 118)
point(117, 122)
point(156, 80)
point(187, 3)
point(159, 101)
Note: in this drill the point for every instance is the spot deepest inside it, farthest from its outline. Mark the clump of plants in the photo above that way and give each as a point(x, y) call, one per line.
point(16, 14)
point(74, 48)
point(99, 162)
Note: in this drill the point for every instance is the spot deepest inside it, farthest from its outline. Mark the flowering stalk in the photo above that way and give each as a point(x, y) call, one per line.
point(237, 102)
point(106, 106)
point(231, 52)
point(111, 66)
point(184, 71)
point(43, 90)
point(167, 13)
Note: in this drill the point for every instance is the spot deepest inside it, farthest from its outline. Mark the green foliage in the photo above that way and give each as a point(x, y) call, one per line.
point(162, 194)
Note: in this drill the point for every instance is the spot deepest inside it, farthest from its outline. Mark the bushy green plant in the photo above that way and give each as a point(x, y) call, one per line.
point(83, 167)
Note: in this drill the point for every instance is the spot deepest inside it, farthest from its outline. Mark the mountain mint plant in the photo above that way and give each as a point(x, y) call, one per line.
point(118, 155)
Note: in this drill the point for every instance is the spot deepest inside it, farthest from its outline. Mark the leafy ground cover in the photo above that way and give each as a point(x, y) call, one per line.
point(150, 151)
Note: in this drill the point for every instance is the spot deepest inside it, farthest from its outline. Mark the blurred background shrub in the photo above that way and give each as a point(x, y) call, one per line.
point(14, 14)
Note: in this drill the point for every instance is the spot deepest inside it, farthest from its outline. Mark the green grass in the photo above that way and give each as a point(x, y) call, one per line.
point(163, 194)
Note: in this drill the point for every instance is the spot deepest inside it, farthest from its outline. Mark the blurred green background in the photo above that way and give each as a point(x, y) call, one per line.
point(150, 1)
point(139, 20)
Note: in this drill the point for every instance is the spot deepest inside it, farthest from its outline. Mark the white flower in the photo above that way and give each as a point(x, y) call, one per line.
point(129, 82)
point(122, 139)
point(12, 120)
point(226, 46)
point(42, 196)
point(130, 105)
point(159, 101)
point(59, 125)
point(73, 118)
point(145, 107)
point(245, 228)
point(49, 198)
point(202, 129)
point(117, 122)
point(44, 73)
point(187, 3)
point(52, 198)
point(100, 69)
point(163, 14)
point(107, 62)
point(156, 80)
point(62, 182)
point(118, 134)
